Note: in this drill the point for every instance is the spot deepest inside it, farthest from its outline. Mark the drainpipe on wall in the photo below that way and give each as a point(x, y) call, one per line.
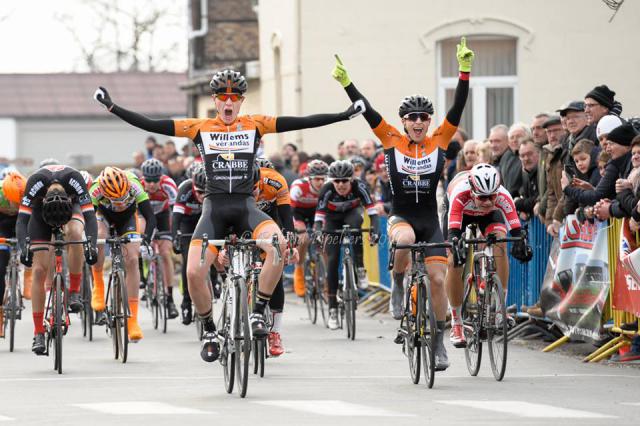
point(298, 94)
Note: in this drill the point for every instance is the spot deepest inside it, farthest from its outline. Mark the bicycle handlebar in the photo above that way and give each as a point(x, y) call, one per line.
point(9, 241)
point(414, 247)
point(242, 242)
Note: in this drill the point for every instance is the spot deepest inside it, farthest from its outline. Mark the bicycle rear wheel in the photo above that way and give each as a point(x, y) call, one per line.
point(310, 298)
point(58, 319)
point(243, 337)
point(319, 277)
point(350, 296)
point(86, 315)
point(428, 329)
point(497, 327)
point(471, 309)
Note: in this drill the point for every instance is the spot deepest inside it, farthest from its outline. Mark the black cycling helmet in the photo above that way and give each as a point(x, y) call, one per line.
point(57, 208)
point(228, 81)
point(199, 179)
point(152, 168)
point(356, 159)
point(341, 169)
point(264, 162)
point(415, 103)
point(317, 168)
point(192, 168)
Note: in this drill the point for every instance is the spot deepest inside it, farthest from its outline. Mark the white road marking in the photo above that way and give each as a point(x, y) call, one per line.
point(139, 407)
point(334, 408)
point(527, 409)
point(635, 404)
point(284, 377)
point(5, 418)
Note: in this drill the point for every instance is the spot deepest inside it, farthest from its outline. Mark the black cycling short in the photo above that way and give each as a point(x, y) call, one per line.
point(124, 222)
point(38, 230)
point(163, 224)
point(8, 225)
point(223, 214)
point(488, 223)
point(426, 227)
point(306, 216)
point(188, 226)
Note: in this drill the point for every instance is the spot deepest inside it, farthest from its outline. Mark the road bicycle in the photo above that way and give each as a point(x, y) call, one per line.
point(86, 314)
point(12, 308)
point(154, 285)
point(418, 328)
point(315, 275)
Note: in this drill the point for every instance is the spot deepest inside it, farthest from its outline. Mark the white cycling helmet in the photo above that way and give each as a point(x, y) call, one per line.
point(484, 179)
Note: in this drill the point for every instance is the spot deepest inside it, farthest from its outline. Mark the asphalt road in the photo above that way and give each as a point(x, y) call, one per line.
point(322, 379)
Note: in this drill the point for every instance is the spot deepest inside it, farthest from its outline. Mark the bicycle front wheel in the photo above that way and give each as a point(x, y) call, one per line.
point(310, 299)
point(243, 337)
point(412, 342)
point(471, 321)
point(86, 315)
point(319, 278)
point(120, 317)
point(227, 353)
point(14, 306)
point(428, 329)
point(350, 296)
point(497, 327)
point(58, 321)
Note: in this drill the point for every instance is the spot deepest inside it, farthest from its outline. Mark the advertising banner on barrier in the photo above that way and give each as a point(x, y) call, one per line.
point(575, 295)
point(626, 292)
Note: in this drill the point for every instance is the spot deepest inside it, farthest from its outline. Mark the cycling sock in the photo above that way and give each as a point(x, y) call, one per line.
point(133, 308)
point(440, 334)
point(261, 302)
point(455, 315)
point(208, 325)
point(98, 278)
point(505, 296)
point(38, 322)
point(398, 279)
point(333, 301)
point(440, 326)
point(170, 294)
point(277, 322)
point(74, 282)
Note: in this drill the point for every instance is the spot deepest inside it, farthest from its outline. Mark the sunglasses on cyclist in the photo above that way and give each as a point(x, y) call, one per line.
point(224, 96)
point(341, 180)
point(491, 197)
point(151, 179)
point(413, 116)
point(199, 191)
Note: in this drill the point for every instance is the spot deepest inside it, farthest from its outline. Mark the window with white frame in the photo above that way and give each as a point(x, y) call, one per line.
point(493, 85)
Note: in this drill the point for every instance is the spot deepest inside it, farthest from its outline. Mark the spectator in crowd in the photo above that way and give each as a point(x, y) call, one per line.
point(138, 159)
point(606, 125)
point(351, 148)
point(538, 132)
point(170, 150)
point(368, 150)
point(371, 178)
point(286, 172)
point(469, 154)
point(587, 176)
point(627, 195)
point(529, 154)
point(176, 169)
point(600, 102)
point(342, 153)
point(551, 206)
point(576, 123)
point(603, 159)
point(619, 147)
point(505, 160)
point(158, 152)
point(384, 194)
point(288, 151)
point(149, 145)
point(484, 152)
point(328, 158)
point(452, 153)
point(359, 164)
point(517, 133)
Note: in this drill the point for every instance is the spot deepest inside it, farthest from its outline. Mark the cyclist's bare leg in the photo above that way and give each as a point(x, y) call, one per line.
point(402, 234)
point(455, 290)
point(436, 273)
point(102, 234)
point(197, 276)
point(270, 273)
point(164, 248)
point(74, 231)
point(303, 242)
point(502, 260)
point(41, 262)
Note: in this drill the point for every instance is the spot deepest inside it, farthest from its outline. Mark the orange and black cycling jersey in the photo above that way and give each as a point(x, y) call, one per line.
point(415, 168)
point(228, 151)
point(272, 190)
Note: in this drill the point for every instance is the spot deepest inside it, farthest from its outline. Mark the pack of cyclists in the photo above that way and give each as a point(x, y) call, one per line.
point(233, 192)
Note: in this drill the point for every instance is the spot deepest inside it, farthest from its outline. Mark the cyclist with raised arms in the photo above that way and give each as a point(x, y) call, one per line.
point(11, 191)
point(186, 213)
point(477, 197)
point(162, 191)
point(304, 200)
point(340, 203)
point(118, 196)
point(228, 145)
point(55, 196)
point(272, 197)
point(414, 163)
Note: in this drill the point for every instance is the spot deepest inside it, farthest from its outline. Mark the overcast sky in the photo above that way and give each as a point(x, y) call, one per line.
point(33, 40)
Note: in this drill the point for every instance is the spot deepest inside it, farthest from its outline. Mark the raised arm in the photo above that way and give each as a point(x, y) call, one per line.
point(340, 74)
point(163, 127)
point(465, 61)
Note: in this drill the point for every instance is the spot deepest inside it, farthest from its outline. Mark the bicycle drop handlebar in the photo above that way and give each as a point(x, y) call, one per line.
point(414, 247)
point(233, 241)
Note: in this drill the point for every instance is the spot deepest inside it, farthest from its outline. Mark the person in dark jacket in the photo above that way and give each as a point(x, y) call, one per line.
point(587, 175)
point(619, 146)
point(628, 190)
point(505, 160)
point(529, 154)
point(576, 122)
